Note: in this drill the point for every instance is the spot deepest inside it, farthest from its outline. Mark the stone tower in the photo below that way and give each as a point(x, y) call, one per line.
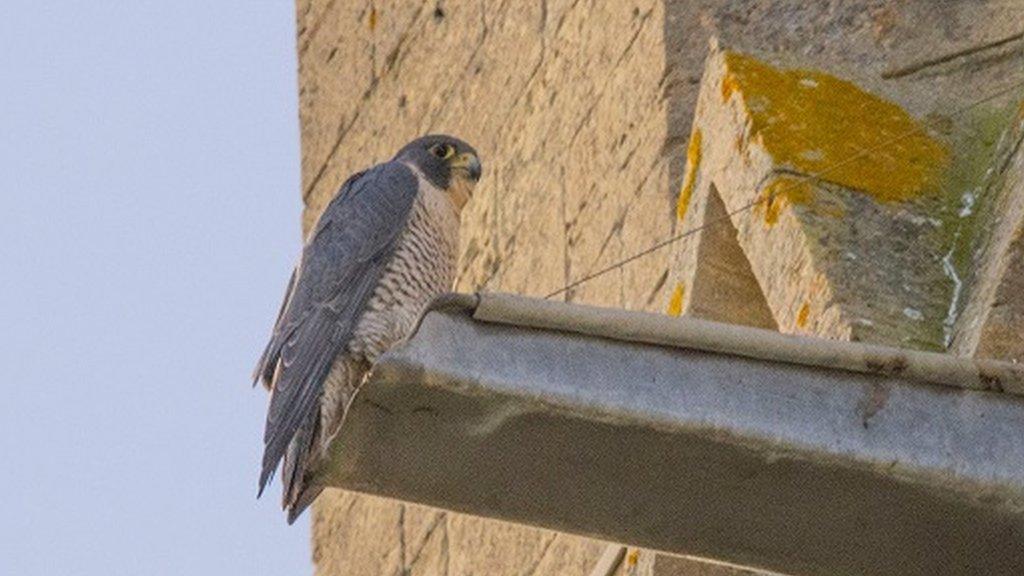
point(606, 127)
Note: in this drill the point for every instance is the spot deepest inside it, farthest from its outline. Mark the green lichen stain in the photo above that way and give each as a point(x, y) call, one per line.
point(968, 209)
point(825, 126)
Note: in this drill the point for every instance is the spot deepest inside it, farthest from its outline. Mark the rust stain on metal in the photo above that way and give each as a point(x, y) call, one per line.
point(873, 403)
point(991, 382)
point(890, 366)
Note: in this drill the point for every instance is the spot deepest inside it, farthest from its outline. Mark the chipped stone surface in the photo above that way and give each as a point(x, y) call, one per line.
point(715, 281)
point(582, 111)
point(377, 548)
point(834, 252)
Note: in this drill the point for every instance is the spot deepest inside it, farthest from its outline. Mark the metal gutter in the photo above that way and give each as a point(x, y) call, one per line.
point(624, 325)
point(794, 455)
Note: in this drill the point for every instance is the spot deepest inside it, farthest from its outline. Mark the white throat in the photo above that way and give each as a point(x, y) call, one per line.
point(458, 192)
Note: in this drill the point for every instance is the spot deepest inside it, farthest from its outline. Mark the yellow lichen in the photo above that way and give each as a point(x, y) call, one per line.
point(675, 303)
point(729, 86)
point(690, 177)
point(803, 314)
point(633, 557)
point(836, 211)
point(828, 127)
point(779, 194)
point(372, 20)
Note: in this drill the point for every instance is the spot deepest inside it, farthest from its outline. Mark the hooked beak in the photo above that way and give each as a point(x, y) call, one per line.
point(470, 163)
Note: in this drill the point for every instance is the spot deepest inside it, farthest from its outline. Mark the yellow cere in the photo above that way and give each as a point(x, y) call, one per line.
point(782, 192)
point(690, 177)
point(803, 314)
point(828, 127)
point(675, 303)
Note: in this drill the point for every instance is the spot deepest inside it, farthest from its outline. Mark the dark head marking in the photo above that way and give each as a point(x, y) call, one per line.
point(442, 159)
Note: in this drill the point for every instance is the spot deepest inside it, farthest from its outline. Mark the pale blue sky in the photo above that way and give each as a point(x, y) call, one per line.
point(149, 171)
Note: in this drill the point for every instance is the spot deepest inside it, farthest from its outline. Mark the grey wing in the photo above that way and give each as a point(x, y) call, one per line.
point(268, 360)
point(264, 371)
point(339, 269)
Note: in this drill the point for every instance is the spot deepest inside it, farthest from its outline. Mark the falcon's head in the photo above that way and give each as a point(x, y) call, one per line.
point(446, 162)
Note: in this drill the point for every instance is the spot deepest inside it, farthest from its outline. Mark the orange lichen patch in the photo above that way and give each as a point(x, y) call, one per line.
point(779, 194)
point(690, 177)
point(828, 127)
point(729, 85)
point(675, 303)
point(633, 557)
point(803, 314)
point(372, 20)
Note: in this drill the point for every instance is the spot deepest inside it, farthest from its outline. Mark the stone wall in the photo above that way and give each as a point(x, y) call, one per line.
point(582, 113)
point(566, 103)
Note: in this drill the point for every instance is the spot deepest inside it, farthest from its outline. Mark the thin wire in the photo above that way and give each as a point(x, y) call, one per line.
point(782, 189)
point(654, 248)
point(918, 66)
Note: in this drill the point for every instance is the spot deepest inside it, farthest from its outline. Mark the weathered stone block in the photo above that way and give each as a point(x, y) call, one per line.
point(837, 197)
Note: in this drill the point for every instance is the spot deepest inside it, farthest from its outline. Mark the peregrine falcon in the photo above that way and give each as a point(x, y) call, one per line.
point(382, 249)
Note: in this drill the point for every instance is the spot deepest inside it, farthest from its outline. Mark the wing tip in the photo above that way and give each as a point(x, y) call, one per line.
point(296, 507)
point(266, 475)
point(261, 372)
point(299, 505)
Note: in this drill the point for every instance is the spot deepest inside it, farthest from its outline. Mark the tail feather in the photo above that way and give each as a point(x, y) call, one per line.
point(297, 461)
point(307, 448)
point(304, 499)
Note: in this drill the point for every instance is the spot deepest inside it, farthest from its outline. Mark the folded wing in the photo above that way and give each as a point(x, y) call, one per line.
point(340, 267)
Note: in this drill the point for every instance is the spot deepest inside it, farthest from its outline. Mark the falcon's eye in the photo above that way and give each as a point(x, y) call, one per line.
point(442, 151)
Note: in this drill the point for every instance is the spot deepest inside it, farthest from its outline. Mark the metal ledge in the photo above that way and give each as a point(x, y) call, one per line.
point(799, 456)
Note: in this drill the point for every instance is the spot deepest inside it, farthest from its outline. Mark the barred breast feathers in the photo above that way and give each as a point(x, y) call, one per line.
point(422, 268)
